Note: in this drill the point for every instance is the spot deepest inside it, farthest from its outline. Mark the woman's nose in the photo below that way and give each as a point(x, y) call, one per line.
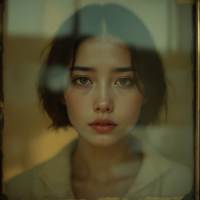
point(103, 101)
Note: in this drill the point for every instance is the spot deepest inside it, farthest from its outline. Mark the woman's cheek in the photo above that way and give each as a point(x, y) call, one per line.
point(77, 105)
point(131, 107)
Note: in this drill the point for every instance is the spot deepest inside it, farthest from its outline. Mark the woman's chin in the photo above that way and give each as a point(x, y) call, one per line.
point(103, 141)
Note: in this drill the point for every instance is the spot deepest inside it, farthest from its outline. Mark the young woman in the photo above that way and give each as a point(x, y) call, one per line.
point(104, 77)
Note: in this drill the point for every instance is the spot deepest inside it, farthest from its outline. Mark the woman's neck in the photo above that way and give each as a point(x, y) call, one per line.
point(103, 163)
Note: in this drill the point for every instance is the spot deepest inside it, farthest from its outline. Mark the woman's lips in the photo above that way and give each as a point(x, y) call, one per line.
point(102, 128)
point(103, 125)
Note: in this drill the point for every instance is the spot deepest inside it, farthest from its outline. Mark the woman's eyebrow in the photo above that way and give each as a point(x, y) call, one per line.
point(79, 68)
point(91, 69)
point(123, 69)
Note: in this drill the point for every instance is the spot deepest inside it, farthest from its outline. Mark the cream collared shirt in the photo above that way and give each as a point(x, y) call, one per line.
point(158, 177)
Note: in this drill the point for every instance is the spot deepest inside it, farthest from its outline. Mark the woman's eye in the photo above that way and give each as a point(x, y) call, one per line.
point(125, 81)
point(82, 81)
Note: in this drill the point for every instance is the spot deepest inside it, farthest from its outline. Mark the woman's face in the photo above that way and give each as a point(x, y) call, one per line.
point(102, 87)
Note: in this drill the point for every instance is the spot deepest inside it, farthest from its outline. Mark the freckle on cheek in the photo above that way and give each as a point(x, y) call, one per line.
point(75, 101)
point(78, 101)
point(131, 101)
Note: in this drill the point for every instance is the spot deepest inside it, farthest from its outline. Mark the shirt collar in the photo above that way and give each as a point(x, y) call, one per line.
point(153, 166)
point(56, 173)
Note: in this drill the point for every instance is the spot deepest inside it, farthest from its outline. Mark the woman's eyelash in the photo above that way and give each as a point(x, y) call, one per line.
point(126, 80)
point(81, 84)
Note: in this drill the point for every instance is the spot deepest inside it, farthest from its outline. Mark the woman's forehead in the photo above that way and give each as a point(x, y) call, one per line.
point(103, 52)
point(107, 40)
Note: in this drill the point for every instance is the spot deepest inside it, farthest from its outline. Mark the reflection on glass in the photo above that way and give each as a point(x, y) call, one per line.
point(104, 79)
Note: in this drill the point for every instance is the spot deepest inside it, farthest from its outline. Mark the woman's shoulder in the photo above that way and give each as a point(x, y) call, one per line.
point(160, 176)
point(39, 181)
point(171, 178)
point(181, 177)
point(21, 185)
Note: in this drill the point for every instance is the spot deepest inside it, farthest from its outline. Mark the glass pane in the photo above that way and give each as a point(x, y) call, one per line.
point(115, 86)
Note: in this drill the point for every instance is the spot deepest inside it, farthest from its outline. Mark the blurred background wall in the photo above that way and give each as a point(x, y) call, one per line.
point(30, 25)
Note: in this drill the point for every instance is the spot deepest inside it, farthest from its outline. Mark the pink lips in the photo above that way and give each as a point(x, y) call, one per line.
point(96, 125)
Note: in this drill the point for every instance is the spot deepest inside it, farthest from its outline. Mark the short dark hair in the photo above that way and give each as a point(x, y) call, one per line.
point(92, 21)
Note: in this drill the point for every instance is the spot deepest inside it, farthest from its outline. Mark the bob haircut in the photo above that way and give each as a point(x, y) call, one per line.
point(96, 21)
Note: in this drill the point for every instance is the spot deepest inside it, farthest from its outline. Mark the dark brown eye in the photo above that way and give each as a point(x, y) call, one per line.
point(83, 80)
point(123, 81)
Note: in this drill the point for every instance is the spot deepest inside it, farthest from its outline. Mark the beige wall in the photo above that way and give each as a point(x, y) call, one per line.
point(29, 27)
